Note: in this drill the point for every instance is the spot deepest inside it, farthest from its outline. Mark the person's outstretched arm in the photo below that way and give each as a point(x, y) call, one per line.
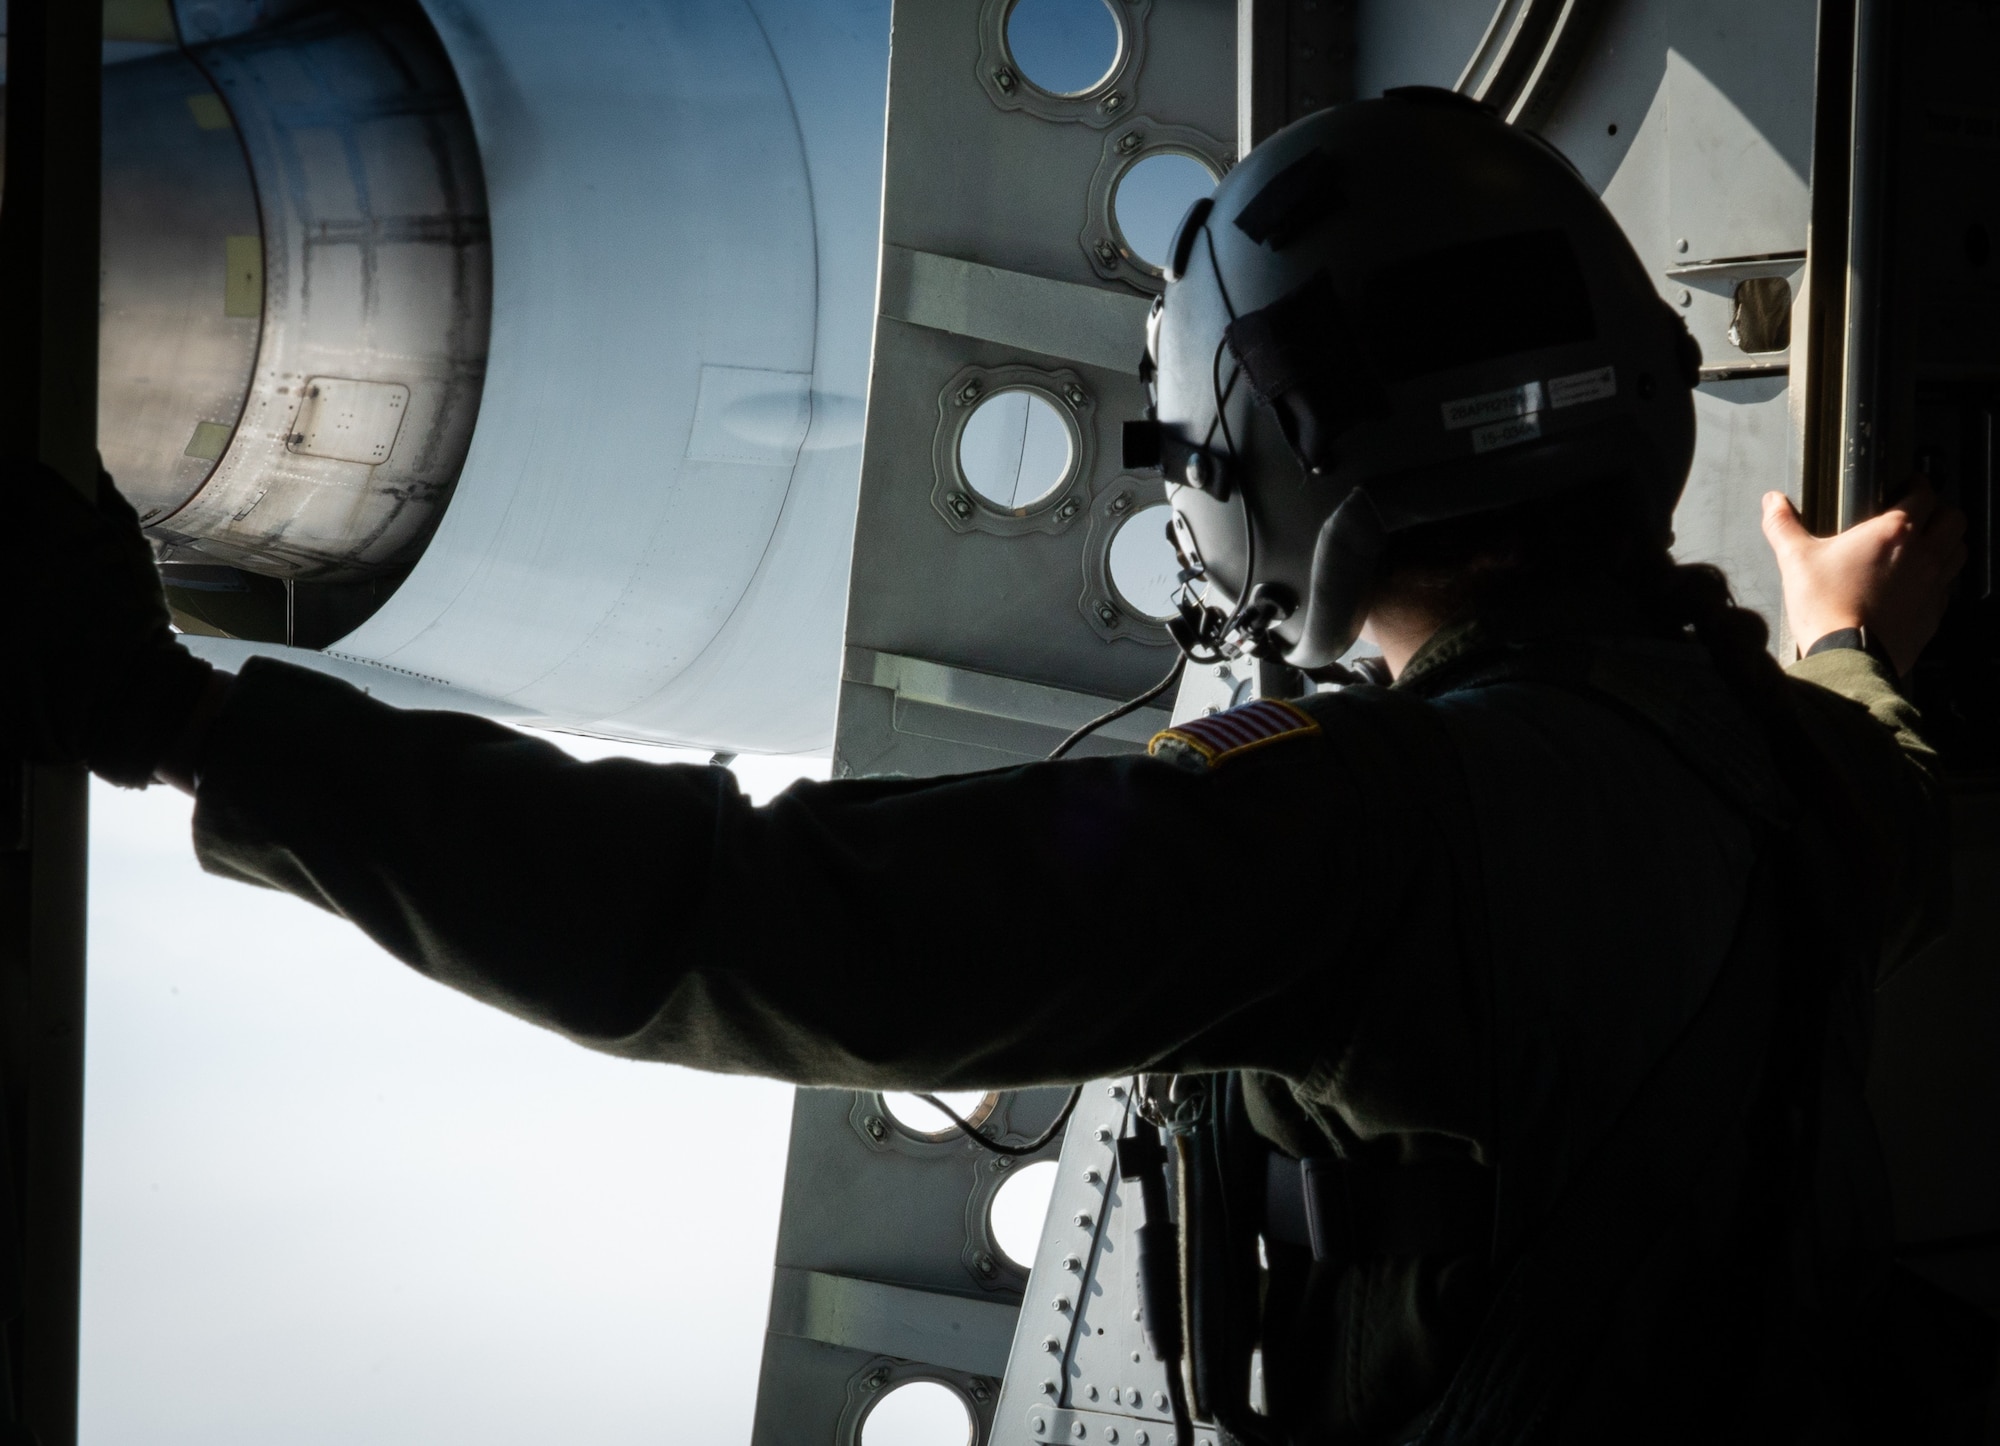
point(1048, 923)
point(1051, 922)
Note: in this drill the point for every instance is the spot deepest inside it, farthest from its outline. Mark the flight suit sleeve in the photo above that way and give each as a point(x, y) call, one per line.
point(1040, 924)
point(1897, 781)
point(1866, 680)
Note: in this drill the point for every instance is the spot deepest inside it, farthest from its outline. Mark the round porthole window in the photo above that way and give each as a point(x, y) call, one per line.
point(918, 1413)
point(1016, 449)
point(1019, 1207)
point(1143, 567)
point(1063, 46)
point(1151, 199)
point(920, 1117)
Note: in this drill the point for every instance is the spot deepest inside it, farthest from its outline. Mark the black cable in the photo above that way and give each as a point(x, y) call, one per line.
point(1249, 568)
point(1215, 386)
point(1215, 266)
point(985, 1142)
point(1132, 705)
point(1222, 392)
point(1222, 397)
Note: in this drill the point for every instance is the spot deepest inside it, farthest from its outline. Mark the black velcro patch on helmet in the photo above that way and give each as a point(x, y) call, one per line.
point(1141, 450)
point(1476, 301)
point(1299, 197)
point(1303, 357)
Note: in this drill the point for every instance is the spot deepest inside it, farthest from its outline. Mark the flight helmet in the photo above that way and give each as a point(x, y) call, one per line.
point(1394, 313)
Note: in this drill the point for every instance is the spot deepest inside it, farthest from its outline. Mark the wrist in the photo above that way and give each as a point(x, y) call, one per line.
point(1859, 639)
point(180, 765)
point(133, 723)
point(1808, 628)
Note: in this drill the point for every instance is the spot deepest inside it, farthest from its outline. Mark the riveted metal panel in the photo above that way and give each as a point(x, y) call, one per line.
point(887, 1268)
point(999, 255)
point(1080, 1370)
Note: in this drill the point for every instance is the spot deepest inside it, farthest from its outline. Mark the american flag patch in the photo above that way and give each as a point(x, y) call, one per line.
point(1224, 735)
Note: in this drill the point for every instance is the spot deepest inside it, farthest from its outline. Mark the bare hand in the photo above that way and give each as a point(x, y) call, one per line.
point(1891, 574)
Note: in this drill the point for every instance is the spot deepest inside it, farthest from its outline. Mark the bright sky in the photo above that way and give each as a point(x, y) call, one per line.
point(328, 1201)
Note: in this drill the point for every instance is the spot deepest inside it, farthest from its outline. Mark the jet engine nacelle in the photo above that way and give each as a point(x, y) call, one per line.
point(511, 347)
point(297, 282)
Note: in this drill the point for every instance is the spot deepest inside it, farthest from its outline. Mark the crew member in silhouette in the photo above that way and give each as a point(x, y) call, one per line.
point(1513, 991)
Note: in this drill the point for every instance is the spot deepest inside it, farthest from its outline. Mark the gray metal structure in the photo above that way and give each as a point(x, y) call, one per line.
point(887, 1269)
point(979, 632)
point(1003, 268)
point(1726, 140)
point(1080, 1369)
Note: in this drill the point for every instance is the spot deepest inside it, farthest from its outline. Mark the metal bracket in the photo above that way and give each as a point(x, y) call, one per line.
point(960, 504)
point(1525, 59)
point(1101, 105)
point(1093, 325)
point(880, 1130)
point(905, 1323)
point(986, 1264)
point(991, 695)
point(883, 1374)
point(1705, 292)
point(985, 1261)
point(1109, 612)
point(1111, 256)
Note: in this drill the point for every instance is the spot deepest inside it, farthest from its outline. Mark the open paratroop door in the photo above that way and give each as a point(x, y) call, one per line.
point(1750, 153)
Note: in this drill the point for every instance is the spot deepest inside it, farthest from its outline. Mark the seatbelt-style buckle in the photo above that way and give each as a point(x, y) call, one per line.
point(1343, 1210)
point(1306, 1205)
point(1329, 1213)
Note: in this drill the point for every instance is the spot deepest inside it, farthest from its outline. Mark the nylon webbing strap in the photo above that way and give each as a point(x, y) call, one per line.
point(1549, 1313)
point(1348, 1210)
point(1552, 1308)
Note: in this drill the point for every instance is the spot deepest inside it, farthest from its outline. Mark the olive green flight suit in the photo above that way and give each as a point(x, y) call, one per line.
point(1483, 934)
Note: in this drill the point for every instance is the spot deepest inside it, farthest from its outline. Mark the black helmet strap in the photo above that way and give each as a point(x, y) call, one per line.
point(1304, 361)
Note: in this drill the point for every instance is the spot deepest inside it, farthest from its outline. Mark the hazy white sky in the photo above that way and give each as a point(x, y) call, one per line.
point(328, 1201)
